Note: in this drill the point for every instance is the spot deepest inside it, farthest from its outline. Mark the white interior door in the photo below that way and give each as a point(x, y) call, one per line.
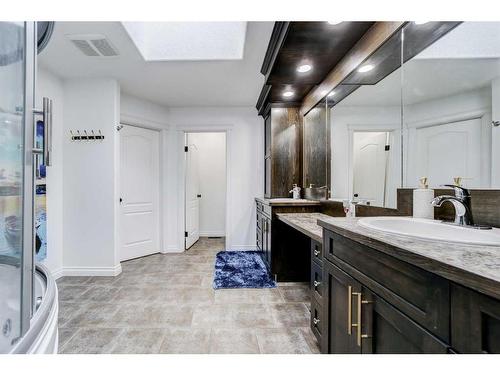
point(140, 182)
point(449, 150)
point(370, 166)
point(192, 197)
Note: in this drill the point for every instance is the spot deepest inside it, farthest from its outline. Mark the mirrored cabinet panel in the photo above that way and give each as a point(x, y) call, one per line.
point(451, 95)
point(365, 119)
point(316, 153)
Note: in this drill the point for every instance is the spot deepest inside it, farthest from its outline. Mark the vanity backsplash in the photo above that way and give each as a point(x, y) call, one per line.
point(485, 207)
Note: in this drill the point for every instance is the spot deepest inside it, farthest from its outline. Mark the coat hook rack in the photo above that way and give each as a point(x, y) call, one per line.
point(86, 135)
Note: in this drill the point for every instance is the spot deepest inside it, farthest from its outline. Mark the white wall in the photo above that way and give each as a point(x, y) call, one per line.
point(90, 196)
point(48, 85)
point(211, 148)
point(245, 169)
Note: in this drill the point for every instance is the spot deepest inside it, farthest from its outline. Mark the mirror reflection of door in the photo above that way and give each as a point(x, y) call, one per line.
point(370, 166)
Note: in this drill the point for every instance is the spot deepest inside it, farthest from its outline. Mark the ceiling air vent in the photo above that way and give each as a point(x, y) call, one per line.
point(93, 45)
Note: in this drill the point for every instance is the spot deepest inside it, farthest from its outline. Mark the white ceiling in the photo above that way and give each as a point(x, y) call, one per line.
point(170, 83)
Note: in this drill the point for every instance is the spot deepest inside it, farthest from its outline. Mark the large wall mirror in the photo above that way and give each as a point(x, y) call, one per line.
point(451, 95)
point(425, 104)
point(365, 120)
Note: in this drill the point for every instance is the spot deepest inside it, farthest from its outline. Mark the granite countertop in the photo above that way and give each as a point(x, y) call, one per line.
point(306, 223)
point(474, 266)
point(287, 202)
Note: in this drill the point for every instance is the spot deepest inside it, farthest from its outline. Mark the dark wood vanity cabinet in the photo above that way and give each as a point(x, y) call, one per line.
point(373, 303)
point(475, 321)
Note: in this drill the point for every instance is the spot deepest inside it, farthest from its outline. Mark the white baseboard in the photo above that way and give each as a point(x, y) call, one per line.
point(172, 249)
point(57, 274)
point(212, 234)
point(92, 271)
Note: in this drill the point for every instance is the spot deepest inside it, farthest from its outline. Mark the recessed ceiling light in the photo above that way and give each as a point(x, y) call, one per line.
point(365, 68)
point(334, 22)
point(331, 94)
point(287, 94)
point(304, 68)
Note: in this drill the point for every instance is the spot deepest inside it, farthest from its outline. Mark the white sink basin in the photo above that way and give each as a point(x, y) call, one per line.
point(432, 230)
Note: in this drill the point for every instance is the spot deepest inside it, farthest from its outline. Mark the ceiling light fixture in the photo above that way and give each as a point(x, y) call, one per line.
point(420, 22)
point(304, 68)
point(288, 94)
point(365, 68)
point(334, 22)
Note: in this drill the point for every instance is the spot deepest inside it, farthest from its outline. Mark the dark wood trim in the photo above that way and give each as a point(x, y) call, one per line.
point(277, 37)
point(263, 99)
point(373, 39)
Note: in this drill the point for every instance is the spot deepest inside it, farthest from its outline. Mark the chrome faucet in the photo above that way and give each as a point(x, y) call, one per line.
point(462, 203)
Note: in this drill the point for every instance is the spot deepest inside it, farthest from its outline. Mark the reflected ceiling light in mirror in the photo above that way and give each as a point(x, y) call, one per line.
point(365, 68)
point(288, 94)
point(334, 22)
point(304, 68)
point(420, 22)
point(331, 94)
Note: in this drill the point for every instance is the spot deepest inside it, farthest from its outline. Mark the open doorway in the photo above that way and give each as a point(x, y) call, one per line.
point(205, 189)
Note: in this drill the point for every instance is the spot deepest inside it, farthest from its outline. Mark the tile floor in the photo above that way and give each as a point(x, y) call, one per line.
point(165, 303)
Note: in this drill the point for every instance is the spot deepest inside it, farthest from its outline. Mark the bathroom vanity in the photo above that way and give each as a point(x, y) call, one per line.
point(384, 293)
point(280, 244)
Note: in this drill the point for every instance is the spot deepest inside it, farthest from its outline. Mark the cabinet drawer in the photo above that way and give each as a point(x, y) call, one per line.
point(317, 252)
point(317, 282)
point(419, 294)
point(316, 319)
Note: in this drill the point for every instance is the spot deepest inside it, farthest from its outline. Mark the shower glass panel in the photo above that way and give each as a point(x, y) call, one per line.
point(12, 91)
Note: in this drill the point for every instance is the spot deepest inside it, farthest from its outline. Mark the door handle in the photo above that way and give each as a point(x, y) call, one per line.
point(198, 195)
point(46, 113)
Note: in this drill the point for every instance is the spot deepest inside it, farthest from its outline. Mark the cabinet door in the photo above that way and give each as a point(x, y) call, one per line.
point(339, 311)
point(386, 330)
point(267, 157)
point(475, 322)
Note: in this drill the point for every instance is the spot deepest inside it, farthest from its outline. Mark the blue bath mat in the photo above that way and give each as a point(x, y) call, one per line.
point(241, 269)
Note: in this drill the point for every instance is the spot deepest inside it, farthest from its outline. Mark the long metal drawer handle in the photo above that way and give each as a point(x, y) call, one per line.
point(349, 310)
point(358, 324)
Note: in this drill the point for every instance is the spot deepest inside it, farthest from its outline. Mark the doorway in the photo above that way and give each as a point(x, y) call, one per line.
point(205, 186)
point(140, 192)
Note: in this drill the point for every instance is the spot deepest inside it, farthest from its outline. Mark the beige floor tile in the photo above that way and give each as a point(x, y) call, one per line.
point(224, 296)
point(282, 341)
point(153, 315)
point(291, 314)
point(93, 314)
point(233, 341)
point(91, 341)
point(310, 339)
point(297, 293)
point(139, 341)
point(186, 341)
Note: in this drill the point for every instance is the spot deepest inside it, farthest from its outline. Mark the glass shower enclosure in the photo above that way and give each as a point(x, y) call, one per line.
point(19, 156)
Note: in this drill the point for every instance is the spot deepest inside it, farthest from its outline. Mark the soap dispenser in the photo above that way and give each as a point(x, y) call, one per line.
point(422, 198)
point(295, 192)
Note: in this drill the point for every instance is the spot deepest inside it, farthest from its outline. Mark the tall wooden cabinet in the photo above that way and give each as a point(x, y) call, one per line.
point(283, 151)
